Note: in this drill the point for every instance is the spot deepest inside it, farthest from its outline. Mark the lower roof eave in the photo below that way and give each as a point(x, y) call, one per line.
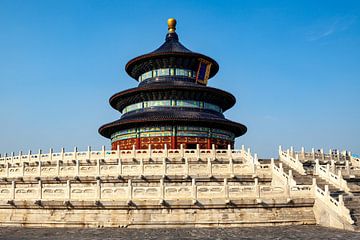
point(237, 128)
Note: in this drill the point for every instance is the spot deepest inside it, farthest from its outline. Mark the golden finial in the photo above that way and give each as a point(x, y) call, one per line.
point(171, 25)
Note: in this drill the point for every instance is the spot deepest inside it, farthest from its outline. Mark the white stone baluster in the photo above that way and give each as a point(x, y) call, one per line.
point(209, 165)
point(231, 168)
point(88, 153)
point(98, 189)
point(130, 191)
point(68, 190)
point(194, 190)
point(40, 190)
point(119, 167)
point(198, 151)
point(13, 186)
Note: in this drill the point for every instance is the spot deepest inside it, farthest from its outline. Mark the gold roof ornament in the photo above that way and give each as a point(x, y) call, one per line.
point(171, 25)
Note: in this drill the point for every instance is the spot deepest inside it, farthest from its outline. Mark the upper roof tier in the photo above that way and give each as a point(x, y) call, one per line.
point(171, 54)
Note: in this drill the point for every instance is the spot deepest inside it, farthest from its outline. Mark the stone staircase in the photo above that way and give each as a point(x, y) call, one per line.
point(351, 200)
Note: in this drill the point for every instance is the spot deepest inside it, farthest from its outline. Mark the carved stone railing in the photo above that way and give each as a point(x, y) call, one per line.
point(332, 204)
point(279, 174)
point(325, 173)
point(291, 161)
point(335, 155)
point(100, 191)
point(129, 154)
point(98, 168)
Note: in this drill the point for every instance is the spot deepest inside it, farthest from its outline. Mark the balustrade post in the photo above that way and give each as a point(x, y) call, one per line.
point(327, 190)
point(328, 170)
point(130, 191)
point(330, 154)
point(291, 178)
point(98, 189)
point(314, 184)
point(313, 153)
point(39, 155)
point(58, 167)
point(248, 152)
point(162, 195)
point(272, 162)
point(89, 153)
point(186, 167)
point(62, 154)
point(347, 166)
point(322, 154)
point(288, 153)
point(50, 154)
point(213, 151)
point(333, 168)
point(22, 169)
point(164, 166)
point(119, 166)
point(198, 151)
point(75, 153)
point(7, 169)
point(40, 190)
point(341, 200)
point(182, 151)
point(68, 189)
point(280, 150)
point(253, 164)
point(231, 168)
point(281, 167)
point(12, 157)
point(303, 152)
point(97, 167)
point(142, 167)
point(29, 156)
point(317, 167)
point(149, 154)
point(166, 151)
point(209, 164)
point(338, 154)
point(226, 190)
point(194, 190)
point(118, 151)
point(288, 192)
point(13, 186)
point(78, 168)
point(20, 156)
point(292, 151)
point(103, 152)
point(229, 153)
point(257, 189)
point(39, 168)
point(339, 174)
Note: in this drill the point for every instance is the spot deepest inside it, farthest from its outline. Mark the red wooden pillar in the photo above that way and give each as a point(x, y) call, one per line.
point(208, 145)
point(173, 142)
point(137, 145)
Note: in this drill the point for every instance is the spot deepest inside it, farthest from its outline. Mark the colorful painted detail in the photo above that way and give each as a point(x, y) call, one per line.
point(167, 72)
point(172, 103)
point(172, 131)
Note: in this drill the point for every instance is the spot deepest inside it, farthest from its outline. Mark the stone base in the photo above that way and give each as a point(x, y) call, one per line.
point(226, 216)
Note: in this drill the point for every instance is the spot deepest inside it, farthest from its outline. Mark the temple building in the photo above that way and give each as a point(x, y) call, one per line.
point(172, 105)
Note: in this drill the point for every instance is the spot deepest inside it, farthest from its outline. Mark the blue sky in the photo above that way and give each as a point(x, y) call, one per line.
point(294, 67)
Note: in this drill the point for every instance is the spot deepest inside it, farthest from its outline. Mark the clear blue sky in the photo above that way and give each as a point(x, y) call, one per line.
point(294, 67)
